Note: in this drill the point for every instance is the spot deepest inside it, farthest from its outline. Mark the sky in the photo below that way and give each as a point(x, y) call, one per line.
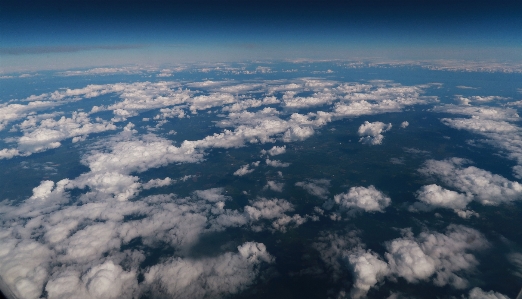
point(38, 35)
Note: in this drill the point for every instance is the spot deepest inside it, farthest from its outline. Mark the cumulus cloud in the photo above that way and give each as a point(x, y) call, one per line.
point(106, 280)
point(274, 151)
point(226, 274)
point(276, 163)
point(273, 209)
point(367, 270)
point(478, 125)
point(357, 199)
point(436, 256)
point(317, 188)
point(371, 132)
point(443, 259)
point(494, 113)
point(68, 237)
point(476, 183)
point(86, 240)
point(49, 132)
point(480, 99)
point(478, 293)
point(245, 169)
point(492, 123)
point(155, 183)
point(274, 186)
point(9, 153)
point(434, 196)
point(404, 124)
point(24, 265)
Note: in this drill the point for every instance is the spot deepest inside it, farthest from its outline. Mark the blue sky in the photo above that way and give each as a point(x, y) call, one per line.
point(68, 34)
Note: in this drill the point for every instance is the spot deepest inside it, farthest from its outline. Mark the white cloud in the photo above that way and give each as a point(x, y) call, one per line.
point(49, 133)
point(276, 163)
point(371, 132)
point(492, 123)
point(479, 99)
point(155, 183)
point(367, 269)
point(362, 198)
point(436, 196)
point(478, 293)
point(443, 259)
point(243, 170)
point(317, 99)
point(317, 188)
point(106, 280)
point(274, 186)
point(212, 195)
point(436, 256)
point(478, 125)
point(226, 274)
point(479, 184)
point(273, 209)
point(404, 124)
point(76, 241)
point(516, 259)
point(494, 113)
point(24, 265)
point(8, 153)
point(276, 150)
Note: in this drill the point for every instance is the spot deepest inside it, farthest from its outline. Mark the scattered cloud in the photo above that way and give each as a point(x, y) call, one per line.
point(226, 274)
point(475, 183)
point(276, 163)
point(317, 188)
point(371, 132)
point(356, 200)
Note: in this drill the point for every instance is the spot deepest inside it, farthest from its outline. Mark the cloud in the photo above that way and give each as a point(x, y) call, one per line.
point(106, 280)
point(274, 186)
point(477, 125)
point(443, 259)
point(367, 270)
point(243, 170)
point(516, 259)
point(362, 199)
point(371, 132)
point(436, 256)
point(85, 240)
point(317, 188)
point(212, 195)
point(478, 293)
point(434, 196)
point(466, 101)
point(226, 274)
point(24, 265)
point(273, 209)
point(404, 124)
point(80, 230)
point(274, 151)
point(333, 249)
point(276, 163)
point(155, 183)
point(7, 153)
point(49, 133)
point(493, 113)
point(492, 123)
point(476, 183)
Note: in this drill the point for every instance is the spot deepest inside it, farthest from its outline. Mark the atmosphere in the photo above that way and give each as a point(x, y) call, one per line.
point(64, 34)
point(260, 149)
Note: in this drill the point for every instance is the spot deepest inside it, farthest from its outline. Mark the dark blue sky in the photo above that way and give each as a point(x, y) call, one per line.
point(61, 34)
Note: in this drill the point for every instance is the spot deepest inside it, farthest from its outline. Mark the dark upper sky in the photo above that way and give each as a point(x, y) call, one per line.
point(195, 30)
